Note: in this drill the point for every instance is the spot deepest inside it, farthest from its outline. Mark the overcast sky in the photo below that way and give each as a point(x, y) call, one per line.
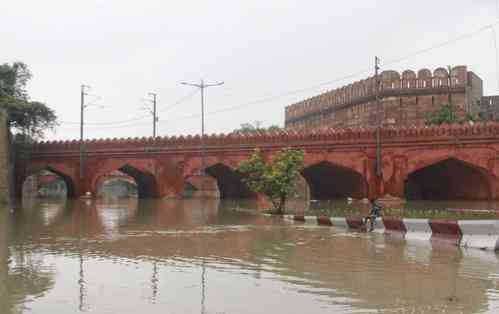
point(259, 48)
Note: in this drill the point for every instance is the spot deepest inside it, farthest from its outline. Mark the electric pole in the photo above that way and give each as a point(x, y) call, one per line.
point(82, 148)
point(378, 116)
point(202, 87)
point(154, 117)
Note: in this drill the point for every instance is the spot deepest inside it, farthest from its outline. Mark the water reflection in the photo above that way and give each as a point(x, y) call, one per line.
point(199, 257)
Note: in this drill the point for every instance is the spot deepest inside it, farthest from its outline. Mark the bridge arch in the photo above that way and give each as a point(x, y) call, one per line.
point(328, 180)
point(449, 178)
point(229, 182)
point(31, 180)
point(145, 181)
point(116, 184)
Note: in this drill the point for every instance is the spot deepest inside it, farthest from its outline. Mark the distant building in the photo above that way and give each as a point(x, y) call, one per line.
point(489, 108)
point(406, 99)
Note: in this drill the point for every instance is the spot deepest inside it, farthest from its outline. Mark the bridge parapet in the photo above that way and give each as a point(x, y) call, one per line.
point(463, 132)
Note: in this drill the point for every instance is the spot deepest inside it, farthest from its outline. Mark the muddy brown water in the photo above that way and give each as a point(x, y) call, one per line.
point(196, 256)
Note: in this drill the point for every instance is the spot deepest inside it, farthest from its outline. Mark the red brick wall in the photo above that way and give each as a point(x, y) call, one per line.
point(406, 99)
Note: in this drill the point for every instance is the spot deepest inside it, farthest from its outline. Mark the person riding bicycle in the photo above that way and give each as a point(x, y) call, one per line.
point(373, 214)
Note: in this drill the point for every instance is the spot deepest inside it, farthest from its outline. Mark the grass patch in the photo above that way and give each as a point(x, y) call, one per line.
point(406, 213)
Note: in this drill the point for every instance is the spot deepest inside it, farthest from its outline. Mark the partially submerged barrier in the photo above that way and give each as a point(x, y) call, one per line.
point(339, 222)
point(481, 234)
point(394, 224)
point(445, 230)
point(417, 229)
point(355, 223)
point(311, 220)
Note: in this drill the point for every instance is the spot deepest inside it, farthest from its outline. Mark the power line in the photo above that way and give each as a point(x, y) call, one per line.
point(496, 55)
point(442, 44)
point(305, 89)
point(390, 62)
point(184, 98)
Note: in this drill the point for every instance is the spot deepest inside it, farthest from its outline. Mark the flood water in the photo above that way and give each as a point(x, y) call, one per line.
point(196, 256)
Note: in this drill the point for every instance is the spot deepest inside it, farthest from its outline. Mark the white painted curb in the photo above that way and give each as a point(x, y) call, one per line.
point(481, 234)
point(289, 217)
point(339, 222)
point(417, 229)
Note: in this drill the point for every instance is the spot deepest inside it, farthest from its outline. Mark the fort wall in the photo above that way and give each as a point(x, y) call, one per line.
point(407, 98)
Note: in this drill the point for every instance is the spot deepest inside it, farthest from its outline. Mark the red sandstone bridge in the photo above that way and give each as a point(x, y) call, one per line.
point(446, 162)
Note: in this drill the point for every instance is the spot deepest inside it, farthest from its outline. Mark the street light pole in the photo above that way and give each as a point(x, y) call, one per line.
point(378, 118)
point(202, 87)
point(154, 117)
point(82, 148)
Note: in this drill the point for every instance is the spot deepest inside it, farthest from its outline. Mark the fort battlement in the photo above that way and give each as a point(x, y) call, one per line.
point(354, 103)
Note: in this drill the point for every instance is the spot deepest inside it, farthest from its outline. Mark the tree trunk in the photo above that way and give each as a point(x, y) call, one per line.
point(282, 204)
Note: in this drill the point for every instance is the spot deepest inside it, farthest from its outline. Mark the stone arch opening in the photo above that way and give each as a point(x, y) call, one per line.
point(48, 183)
point(449, 179)
point(230, 182)
point(146, 183)
point(328, 181)
point(116, 184)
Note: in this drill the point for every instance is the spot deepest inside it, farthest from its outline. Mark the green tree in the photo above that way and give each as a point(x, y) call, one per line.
point(446, 114)
point(249, 128)
point(275, 179)
point(29, 118)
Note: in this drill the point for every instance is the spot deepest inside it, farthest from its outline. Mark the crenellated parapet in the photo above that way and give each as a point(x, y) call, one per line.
point(283, 138)
point(392, 83)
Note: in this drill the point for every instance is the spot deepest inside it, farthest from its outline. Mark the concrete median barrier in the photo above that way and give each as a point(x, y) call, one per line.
point(394, 224)
point(340, 222)
point(299, 218)
point(481, 234)
point(379, 227)
point(324, 221)
point(355, 223)
point(445, 230)
point(311, 220)
point(417, 229)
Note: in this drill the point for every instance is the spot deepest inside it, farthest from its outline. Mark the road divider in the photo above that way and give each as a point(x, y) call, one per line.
point(479, 234)
point(417, 229)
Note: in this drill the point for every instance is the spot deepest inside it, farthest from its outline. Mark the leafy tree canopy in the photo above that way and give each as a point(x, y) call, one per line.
point(249, 128)
point(30, 118)
point(275, 179)
point(447, 114)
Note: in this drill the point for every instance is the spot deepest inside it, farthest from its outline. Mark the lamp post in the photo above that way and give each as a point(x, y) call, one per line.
point(202, 86)
point(378, 118)
point(82, 109)
point(153, 112)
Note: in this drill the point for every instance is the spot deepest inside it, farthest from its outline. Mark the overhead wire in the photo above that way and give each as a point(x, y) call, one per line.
point(178, 102)
point(301, 90)
point(496, 54)
point(389, 62)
